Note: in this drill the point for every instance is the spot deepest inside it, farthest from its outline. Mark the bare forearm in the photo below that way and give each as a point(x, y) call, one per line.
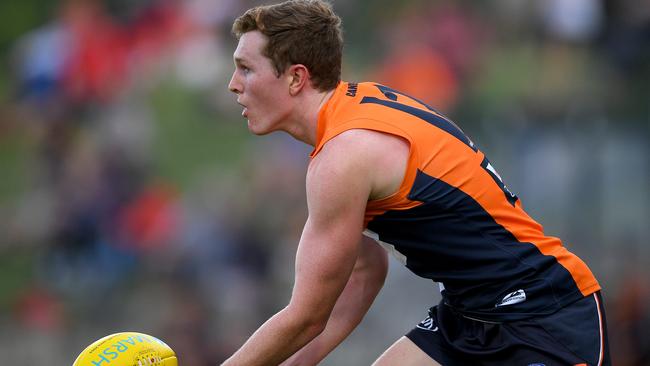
point(275, 341)
point(342, 322)
point(351, 307)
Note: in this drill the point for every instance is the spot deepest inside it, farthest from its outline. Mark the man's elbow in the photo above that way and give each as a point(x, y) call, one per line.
point(309, 323)
point(315, 327)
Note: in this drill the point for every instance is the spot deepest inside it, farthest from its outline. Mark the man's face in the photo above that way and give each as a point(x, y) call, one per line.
point(264, 96)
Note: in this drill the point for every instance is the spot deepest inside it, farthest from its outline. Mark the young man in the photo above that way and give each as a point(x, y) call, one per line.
point(388, 166)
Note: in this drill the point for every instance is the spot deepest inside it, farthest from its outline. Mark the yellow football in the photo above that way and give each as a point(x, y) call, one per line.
point(127, 349)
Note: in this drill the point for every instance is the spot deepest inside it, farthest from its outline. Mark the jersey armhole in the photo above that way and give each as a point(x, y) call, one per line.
point(399, 198)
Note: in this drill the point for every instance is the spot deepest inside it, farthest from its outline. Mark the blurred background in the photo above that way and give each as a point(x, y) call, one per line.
point(132, 196)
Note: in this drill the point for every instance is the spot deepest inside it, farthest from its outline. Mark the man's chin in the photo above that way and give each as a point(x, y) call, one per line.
point(255, 130)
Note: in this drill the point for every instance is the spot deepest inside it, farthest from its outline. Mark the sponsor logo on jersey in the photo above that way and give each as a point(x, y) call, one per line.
point(428, 324)
point(512, 298)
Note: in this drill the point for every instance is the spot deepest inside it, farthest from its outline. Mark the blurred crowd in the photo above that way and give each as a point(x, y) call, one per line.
point(133, 198)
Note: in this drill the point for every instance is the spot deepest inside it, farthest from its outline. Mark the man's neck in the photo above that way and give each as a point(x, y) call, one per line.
point(304, 126)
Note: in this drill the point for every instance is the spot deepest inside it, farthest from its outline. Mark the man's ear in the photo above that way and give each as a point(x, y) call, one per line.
point(298, 76)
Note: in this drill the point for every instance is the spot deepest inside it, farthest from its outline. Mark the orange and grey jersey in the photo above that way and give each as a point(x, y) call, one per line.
point(453, 220)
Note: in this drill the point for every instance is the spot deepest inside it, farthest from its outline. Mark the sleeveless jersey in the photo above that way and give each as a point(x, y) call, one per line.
point(452, 219)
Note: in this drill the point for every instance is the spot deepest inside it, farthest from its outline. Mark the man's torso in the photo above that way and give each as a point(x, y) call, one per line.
point(452, 219)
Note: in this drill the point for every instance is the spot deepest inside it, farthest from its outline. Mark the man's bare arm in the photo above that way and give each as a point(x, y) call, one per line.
point(338, 187)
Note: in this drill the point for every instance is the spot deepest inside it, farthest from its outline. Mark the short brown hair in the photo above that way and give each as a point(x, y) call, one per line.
point(306, 32)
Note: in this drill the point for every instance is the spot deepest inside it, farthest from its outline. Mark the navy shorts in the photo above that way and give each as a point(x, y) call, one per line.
point(574, 335)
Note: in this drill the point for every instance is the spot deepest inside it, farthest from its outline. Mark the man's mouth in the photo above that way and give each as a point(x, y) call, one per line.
point(244, 111)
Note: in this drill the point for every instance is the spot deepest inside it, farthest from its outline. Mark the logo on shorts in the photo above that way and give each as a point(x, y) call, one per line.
point(428, 324)
point(512, 298)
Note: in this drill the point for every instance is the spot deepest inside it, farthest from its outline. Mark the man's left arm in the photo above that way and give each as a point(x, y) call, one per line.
point(337, 193)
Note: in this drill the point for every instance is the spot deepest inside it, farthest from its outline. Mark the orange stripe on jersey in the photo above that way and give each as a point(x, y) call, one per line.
point(469, 177)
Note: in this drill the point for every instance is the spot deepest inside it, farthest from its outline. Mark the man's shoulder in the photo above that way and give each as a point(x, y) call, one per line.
point(376, 157)
point(362, 143)
point(351, 147)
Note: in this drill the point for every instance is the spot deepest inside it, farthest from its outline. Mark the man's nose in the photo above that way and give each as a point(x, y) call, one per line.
point(234, 85)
